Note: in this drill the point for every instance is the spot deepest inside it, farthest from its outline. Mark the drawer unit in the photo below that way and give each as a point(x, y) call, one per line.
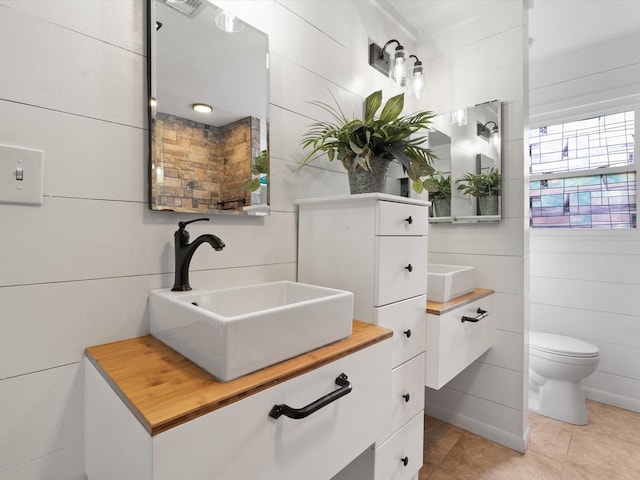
point(242, 440)
point(401, 268)
point(400, 457)
point(375, 245)
point(395, 218)
point(453, 344)
point(407, 319)
point(407, 394)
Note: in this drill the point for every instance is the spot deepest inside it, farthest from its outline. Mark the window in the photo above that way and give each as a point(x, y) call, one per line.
point(583, 173)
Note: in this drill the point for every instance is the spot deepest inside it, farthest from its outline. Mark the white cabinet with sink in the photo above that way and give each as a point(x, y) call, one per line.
point(151, 414)
point(457, 333)
point(375, 245)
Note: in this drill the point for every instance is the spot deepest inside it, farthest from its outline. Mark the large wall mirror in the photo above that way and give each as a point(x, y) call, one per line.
point(468, 185)
point(208, 110)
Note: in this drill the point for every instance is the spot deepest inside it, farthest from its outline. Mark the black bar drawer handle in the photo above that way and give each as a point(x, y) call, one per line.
point(481, 314)
point(409, 220)
point(409, 268)
point(405, 461)
point(407, 333)
point(298, 413)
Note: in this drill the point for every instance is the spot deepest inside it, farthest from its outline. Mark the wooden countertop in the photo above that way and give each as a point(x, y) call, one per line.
point(438, 308)
point(163, 389)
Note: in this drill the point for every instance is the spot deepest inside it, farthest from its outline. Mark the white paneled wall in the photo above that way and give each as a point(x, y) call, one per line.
point(585, 284)
point(482, 60)
point(76, 270)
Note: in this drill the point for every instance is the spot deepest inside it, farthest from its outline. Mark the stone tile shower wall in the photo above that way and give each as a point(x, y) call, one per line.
point(202, 166)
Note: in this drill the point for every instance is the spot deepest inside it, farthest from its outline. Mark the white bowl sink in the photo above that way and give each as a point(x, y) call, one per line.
point(446, 282)
point(235, 331)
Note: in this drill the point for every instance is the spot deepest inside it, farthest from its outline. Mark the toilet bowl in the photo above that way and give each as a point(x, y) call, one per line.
point(557, 365)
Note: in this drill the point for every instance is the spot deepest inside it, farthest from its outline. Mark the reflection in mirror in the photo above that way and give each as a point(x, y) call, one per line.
point(468, 145)
point(209, 85)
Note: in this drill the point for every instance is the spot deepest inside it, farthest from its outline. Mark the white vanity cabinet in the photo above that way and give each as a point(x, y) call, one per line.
point(174, 436)
point(375, 245)
point(457, 333)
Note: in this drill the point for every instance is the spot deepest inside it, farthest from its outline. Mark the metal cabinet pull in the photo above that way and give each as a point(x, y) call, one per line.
point(407, 333)
point(406, 397)
point(409, 220)
point(481, 314)
point(298, 413)
point(405, 461)
point(409, 267)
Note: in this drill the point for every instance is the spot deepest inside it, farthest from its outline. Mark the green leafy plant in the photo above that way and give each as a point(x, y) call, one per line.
point(481, 184)
point(386, 136)
point(438, 186)
point(259, 166)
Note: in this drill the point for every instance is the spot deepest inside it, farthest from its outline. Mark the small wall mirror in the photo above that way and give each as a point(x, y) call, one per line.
point(208, 110)
point(468, 185)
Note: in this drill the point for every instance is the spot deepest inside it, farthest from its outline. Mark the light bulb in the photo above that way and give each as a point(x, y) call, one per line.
point(460, 117)
point(494, 138)
point(417, 84)
point(229, 23)
point(398, 67)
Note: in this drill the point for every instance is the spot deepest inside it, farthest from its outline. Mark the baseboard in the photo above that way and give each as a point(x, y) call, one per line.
point(612, 399)
point(472, 425)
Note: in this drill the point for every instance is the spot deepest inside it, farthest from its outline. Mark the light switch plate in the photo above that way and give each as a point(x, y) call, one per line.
point(25, 163)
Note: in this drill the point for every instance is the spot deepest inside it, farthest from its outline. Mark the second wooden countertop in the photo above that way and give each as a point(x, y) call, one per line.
point(163, 389)
point(439, 308)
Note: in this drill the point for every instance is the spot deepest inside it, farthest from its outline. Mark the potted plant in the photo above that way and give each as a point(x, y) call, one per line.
point(486, 187)
point(439, 188)
point(366, 146)
point(259, 169)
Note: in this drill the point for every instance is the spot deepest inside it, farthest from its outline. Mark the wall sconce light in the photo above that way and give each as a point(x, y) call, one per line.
point(490, 133)
point(396, 66)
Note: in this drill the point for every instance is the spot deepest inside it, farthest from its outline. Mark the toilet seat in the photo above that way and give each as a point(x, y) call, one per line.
point(561, 345)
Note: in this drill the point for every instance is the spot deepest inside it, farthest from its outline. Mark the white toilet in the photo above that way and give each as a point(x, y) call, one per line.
point(557, 364)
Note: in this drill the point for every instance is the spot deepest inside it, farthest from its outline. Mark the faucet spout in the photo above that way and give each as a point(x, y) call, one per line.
point(184, 252)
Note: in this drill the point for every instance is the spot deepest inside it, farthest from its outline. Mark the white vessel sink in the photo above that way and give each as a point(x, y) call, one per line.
point(446, 282)
point(235, 331)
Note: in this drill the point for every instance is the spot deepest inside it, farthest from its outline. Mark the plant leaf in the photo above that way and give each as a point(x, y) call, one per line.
point(251, 184)
point(392, 109)
point(371, 105)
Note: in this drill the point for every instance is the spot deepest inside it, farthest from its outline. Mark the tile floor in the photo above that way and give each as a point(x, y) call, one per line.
point(608, 448)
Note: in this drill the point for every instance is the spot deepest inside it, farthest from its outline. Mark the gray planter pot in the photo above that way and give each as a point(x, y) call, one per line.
point(373, 181)
point(488, 204)
point(441, 207)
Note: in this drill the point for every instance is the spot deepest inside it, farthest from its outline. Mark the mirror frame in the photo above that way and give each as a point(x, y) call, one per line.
point(254, 130)
point(471, 150)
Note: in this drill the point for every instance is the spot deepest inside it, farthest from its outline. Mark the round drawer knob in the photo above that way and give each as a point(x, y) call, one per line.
point(405, 461)
point(406, 397)
point(409, 220)
point(409, 268)
point(407, 333)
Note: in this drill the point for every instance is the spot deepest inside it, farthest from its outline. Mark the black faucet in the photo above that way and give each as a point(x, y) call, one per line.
point(185, 250)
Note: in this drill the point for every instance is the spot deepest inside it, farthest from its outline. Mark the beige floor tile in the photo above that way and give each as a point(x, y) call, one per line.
point(549, 437)
point(439, 439)
point(594, 455)
point(475, 458)
point(615, 422)
point(606, 449)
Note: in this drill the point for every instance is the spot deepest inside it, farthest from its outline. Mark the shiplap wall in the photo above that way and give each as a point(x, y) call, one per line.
point(75, 271)
point(585, 284)
point(479, 61)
